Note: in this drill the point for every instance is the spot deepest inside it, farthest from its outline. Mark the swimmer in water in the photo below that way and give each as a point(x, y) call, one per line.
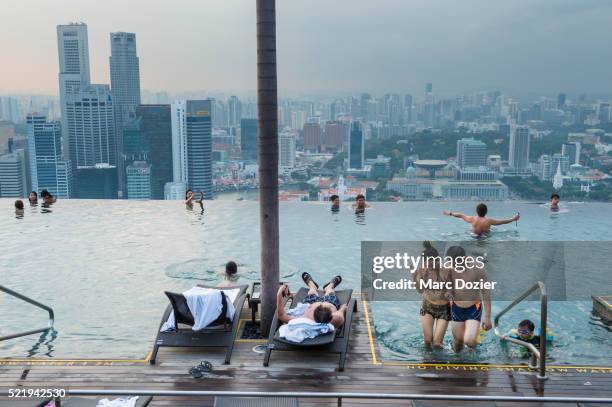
point(47, 198)
point(335, 200)
point(360, 204)
point(189, 200)
point(230, 274)
point(481, 224)
point(554, 202)
point(19, 208)
point(33, 198)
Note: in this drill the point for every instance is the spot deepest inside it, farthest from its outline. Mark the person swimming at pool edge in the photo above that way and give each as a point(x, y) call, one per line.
point(525, 332)
point(481, 224)
point(335, 200)
point(435, 307)
point(19, 208)
point(467, 303)
point(47, 198)
point(554, 202)
point(33, 198)
point(189, 199)
point(360, 204)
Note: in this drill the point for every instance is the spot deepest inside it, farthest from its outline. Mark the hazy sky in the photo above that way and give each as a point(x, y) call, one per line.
point(325, 45)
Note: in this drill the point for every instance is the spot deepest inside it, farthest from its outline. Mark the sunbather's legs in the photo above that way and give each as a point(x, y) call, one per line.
point(312, 288)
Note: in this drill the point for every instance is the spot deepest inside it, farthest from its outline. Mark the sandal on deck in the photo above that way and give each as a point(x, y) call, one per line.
point(198, 371)
point(335, 282)
point(307, 278)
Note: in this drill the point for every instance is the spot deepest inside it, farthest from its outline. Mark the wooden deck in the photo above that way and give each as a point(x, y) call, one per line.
point(288, 371)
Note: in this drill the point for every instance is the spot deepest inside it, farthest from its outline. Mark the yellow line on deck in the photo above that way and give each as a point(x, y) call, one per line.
point(370, 337)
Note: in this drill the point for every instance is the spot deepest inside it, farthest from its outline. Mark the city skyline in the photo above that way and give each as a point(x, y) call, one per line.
point(547, 47)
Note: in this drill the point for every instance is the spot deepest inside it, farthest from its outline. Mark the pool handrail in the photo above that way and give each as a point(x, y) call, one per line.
point(36, 304)
point(538, 356)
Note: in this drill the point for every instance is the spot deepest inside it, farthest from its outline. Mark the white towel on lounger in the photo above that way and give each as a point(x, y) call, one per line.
point(299, 329)
point(205, 306)
point(120, 402)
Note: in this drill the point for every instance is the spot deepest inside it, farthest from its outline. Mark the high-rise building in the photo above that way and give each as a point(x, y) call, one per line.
point(174, 191)
point(234, 111)
point(561, 101)
point(312, 137)
point(9, 110)
point(125, 88)
point(356, 147)
point(286, 147)
point(73, 50)
point(138, 180)
point(471, 153)
point(13, 178)
point(335, 134)
point(192, 145)
point(47, 169)
point(603, 112)
point(148, 137)
point(88, 125)
point(249, 139)
point(89, 118)
point(519, 147)
point(572, 152)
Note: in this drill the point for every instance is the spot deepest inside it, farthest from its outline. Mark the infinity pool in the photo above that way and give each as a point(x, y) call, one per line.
point(103, 267)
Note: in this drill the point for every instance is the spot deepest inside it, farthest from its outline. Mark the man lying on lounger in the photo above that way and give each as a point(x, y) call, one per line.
point(321, 309)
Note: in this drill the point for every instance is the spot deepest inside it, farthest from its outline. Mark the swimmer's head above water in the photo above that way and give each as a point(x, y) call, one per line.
point(231, 268)
point(554, 201)
point(335, 200)
point(481, 210)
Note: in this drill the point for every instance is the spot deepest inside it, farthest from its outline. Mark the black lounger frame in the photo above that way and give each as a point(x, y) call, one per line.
point(336, 342)
point(218, 335)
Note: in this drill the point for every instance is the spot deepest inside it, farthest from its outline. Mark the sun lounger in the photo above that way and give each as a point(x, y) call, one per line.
point(220, 333)
point(86, 402)
point(333, 342)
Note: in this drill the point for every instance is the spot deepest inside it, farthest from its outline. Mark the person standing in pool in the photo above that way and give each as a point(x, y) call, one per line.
point(481, 224)
point(467, 304)
point(33, 198)
point(435, 307)
point(19, 208)
point(47, 198)
point(335, 200)
point(554, 202)
point(360, 204)
point(189, 200)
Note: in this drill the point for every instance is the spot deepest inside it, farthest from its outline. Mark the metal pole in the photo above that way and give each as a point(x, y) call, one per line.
point(267, 127)
point(543, 319)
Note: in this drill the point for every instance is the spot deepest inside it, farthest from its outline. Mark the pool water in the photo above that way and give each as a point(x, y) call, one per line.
point(103, 267)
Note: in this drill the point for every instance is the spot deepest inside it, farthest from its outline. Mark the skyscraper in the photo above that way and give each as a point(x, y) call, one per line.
point(148, 137)
point(234, 114)
point(356, 147)
point(73, 50)
point(248, 139)
point(138, 180)
point(125, 88)
point(312, 137)
point(192, 144)
point(471, 153)
point(13, 180)
point(286, 150)
point(561, 101)
point(519, 147)
point(47, 169)
point(88, 125)
point(335, 134)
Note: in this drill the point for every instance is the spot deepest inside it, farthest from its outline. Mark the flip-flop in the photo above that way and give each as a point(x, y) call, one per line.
point(334, 281)
point(198, 371)
point(307, 278)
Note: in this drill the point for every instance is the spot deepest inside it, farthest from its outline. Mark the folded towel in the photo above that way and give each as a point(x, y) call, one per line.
point(299, 329)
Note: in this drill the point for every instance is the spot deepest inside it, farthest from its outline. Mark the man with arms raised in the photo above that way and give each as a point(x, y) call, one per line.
point(481, 224)
point(468, 303)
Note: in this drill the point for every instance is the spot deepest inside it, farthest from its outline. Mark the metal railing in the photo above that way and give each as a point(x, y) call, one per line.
point(323, 395)
point(36, 304)
point(538, 356)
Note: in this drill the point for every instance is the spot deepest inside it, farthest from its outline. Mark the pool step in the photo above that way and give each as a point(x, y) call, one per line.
point(602, 306)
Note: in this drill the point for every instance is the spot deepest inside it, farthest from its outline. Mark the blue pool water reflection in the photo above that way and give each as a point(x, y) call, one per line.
point(103, 267)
